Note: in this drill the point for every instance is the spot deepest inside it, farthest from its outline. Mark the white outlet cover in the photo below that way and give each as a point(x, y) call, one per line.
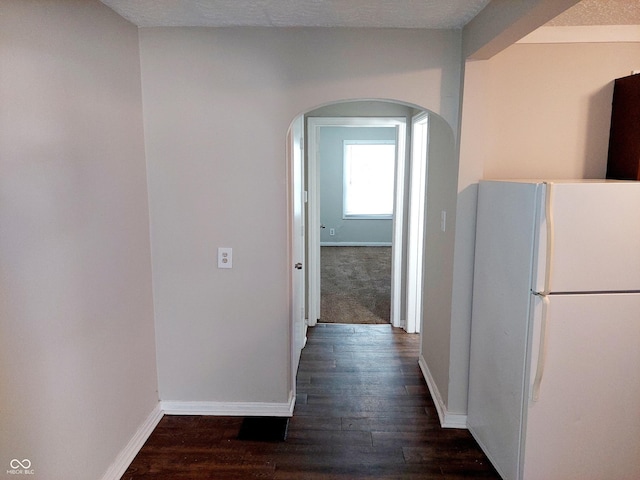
point(225, 257)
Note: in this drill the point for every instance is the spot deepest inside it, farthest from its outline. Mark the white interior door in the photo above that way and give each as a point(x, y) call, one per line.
point(297, 260)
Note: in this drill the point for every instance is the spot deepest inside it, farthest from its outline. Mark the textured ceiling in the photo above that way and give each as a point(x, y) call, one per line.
point(299, 13)
point(600, 12)
point(349, 13)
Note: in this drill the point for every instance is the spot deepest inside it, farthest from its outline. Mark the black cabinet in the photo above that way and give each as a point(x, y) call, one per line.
point(624, 140)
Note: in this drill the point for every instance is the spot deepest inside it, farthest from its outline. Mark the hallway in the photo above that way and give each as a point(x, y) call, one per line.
point(363, 412)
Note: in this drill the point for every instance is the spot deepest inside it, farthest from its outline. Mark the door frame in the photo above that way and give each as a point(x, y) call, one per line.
point(314, 124)
point(416, 219)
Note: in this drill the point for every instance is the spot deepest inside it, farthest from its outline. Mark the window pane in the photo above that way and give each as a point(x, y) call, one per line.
point(368, 176)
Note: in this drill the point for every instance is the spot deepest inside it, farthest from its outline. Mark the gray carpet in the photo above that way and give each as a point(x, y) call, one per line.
point(355, 284)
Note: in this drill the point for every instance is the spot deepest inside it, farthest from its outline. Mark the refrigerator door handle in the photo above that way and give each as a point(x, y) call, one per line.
point(542, 349)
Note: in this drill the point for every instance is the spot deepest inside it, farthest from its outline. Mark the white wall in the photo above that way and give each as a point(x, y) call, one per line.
point(78, 373)
point(218, 103)
point(532, 111)
point(474, 137)
point(552, 107)
point(442, 169)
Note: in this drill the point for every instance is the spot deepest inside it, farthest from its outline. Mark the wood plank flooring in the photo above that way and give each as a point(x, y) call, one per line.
point(363, 412)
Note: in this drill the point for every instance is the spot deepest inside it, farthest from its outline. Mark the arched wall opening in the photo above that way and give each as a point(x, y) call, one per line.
point(431, 259)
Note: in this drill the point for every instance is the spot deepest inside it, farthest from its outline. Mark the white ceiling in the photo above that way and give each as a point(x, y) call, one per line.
point(348, 13)
point(299, 13)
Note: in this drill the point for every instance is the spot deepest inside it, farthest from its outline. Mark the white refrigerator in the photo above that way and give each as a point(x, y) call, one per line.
point(554, 387)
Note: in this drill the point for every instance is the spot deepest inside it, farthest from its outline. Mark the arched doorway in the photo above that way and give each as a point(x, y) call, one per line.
point(409, 219)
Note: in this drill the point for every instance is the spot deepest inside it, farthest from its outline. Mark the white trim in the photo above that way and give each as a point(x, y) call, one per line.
point(356, 244)
point(128, 453)
point(447, 420)
point(244, 409)
point(398, 247)
point(234, 409)
point(584, 34)
point(313, 222)
point(359, 216)
point(304, 338)
point(416, 220)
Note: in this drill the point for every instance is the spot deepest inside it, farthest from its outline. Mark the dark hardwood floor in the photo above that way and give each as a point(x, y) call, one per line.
point(363, 412)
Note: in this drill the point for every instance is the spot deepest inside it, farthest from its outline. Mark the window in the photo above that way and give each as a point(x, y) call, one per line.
point(369, 168)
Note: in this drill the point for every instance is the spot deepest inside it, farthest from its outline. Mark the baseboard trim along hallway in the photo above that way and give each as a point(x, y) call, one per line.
point(128, 453)
point(230, 409)
point(447, 420)
point(233, 409)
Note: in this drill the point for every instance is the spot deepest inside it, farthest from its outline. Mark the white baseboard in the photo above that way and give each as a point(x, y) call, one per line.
point(128, 453)
point(232, 409)
point(447, 420)
point(355, 244)
point(245, 409)
point(401, 324)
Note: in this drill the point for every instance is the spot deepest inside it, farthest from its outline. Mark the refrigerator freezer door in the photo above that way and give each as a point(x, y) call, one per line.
point(596, 238)
point(585, 424)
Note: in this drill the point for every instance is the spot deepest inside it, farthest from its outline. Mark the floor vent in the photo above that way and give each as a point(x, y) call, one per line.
point(264, 429)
